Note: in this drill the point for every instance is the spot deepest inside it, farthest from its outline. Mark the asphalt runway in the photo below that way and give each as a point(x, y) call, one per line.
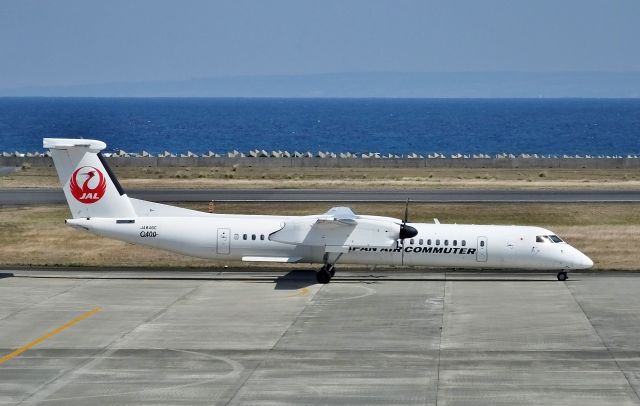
point(90, 337)
point(25, 196)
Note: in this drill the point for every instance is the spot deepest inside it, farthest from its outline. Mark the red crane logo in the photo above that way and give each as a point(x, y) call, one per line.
point(93, 184)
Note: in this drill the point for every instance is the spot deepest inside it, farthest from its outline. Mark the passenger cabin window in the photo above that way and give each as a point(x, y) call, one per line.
point(421, 241)
point(236, 236)
point(261, 237)
point(464, 243)
point(244, 236)
point(455, 243)
point(429, 241)
point(446, 242)
point(437, 242)
point(411, 241)
point(253, 237)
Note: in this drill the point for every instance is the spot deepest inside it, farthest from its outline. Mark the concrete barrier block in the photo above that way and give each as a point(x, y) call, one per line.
point(346, 160)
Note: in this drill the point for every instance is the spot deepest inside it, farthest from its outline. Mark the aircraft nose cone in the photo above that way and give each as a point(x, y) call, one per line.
point(582, 261)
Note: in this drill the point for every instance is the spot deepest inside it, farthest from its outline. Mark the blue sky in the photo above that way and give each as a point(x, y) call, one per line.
point(68, 42)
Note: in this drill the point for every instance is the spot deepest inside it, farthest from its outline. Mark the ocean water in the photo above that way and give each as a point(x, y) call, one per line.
point(400, 126)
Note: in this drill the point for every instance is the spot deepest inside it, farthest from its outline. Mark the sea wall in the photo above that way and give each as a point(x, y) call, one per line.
point(353, 162)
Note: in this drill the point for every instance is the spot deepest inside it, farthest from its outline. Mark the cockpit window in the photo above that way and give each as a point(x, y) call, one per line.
point(548, 238)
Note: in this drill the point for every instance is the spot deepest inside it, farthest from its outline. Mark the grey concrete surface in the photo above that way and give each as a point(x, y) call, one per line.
point(187, 337)
point(26, 196)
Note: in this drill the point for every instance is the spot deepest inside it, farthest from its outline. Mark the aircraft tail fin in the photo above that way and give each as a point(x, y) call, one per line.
point(89, 185)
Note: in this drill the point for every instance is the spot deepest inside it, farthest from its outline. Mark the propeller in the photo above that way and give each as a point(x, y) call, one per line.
point(405, 230)
point(406, 212)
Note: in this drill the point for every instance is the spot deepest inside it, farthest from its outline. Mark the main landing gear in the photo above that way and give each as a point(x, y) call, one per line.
point(328, 270)
point(562, 276)
point(325, 274)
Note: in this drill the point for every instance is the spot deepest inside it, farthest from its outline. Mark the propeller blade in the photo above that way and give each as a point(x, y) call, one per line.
point(405, 230)
point(406, 212)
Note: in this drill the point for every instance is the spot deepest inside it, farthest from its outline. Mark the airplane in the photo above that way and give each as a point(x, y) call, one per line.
point(99, 205)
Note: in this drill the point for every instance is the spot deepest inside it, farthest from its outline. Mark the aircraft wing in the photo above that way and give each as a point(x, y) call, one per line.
point(337, 230)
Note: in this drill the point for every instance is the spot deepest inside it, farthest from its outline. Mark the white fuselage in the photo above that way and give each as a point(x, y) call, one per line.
point(247, 238)
point(98, 204)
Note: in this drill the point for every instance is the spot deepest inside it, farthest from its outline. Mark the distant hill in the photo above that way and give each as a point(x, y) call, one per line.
point(396, 85)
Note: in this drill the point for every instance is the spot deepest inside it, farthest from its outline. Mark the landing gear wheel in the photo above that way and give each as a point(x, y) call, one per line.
point(332, 271)
point(562, 276)
point(323, 276)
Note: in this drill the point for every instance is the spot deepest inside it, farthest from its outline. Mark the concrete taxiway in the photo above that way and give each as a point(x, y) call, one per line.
point(22, 196)
point(122, 337)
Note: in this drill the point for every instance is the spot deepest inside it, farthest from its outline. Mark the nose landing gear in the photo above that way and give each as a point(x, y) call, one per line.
point(562, 276)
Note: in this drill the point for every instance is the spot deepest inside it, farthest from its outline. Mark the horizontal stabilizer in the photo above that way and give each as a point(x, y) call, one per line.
point(68, 143)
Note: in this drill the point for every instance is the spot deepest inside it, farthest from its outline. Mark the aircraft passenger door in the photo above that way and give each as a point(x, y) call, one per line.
point(224, 235)
point(481, 253)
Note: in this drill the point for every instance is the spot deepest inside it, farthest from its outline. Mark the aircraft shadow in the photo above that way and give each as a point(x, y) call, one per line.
point(296, 279)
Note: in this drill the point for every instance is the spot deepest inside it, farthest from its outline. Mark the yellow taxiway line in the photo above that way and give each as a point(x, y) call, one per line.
point(50, 334)
point(304, 292)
